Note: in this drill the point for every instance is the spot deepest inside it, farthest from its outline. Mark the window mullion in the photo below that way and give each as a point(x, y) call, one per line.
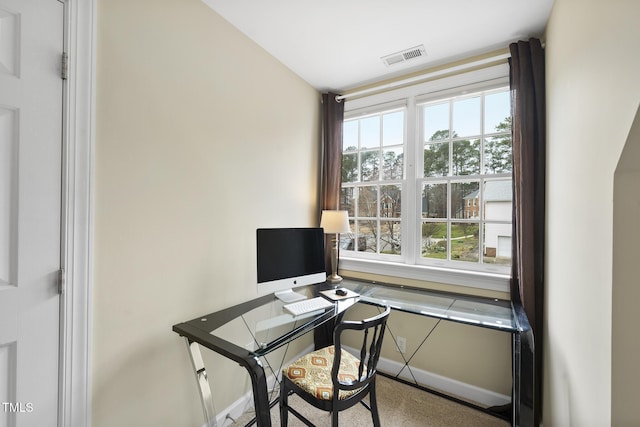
point(449, 187)
point(410, 238)
point(481, 219)
point(378, 214)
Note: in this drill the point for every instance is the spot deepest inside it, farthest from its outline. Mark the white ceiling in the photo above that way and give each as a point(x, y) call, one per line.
point(337, 44)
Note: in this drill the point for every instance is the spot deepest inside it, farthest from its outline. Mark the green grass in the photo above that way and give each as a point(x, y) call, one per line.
point(465, 249)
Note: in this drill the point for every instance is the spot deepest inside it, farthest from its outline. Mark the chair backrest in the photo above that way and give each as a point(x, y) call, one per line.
point(371, 333)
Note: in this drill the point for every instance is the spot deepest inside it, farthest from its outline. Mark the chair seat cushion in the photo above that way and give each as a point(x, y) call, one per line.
point(312, 373)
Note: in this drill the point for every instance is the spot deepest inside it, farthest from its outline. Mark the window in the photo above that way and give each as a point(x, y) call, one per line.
point(427, 181)
point(372, 177)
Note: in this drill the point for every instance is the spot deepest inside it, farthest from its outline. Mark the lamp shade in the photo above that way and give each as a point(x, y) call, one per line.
point(335, 222)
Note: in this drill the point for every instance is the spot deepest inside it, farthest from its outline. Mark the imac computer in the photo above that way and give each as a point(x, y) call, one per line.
point(288, 258)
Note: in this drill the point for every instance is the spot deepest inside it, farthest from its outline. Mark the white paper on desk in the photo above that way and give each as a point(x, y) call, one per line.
point(331, 294)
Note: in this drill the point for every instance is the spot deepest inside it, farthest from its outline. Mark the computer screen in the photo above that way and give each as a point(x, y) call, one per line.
point(289, 257)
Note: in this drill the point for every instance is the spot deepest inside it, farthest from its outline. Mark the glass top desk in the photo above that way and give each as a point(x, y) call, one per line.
point(248, 331)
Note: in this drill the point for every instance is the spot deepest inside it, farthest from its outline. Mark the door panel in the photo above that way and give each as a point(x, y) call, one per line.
point(31, 40)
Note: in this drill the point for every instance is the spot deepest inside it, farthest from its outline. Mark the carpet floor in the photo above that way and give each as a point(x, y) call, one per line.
point(399, 405)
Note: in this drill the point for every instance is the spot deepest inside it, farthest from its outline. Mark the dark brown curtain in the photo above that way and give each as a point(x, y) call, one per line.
point(527, 75)
point(332, 118)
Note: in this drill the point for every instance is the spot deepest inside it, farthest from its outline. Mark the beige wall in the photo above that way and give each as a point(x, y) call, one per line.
point(201, 138)
point(593, 92)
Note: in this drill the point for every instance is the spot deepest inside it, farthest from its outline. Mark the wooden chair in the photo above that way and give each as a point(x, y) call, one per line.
point(332, 379)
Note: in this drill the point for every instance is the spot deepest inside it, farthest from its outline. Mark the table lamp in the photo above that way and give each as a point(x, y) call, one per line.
point(335, 222)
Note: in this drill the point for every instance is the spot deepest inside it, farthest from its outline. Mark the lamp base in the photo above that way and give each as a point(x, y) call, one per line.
point(334, 279)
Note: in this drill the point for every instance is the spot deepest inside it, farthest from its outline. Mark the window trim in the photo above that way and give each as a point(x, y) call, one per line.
point(484, 79)
point(472, 279)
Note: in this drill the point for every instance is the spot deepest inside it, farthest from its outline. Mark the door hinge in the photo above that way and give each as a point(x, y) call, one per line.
point(64, 69)
point(61, 281)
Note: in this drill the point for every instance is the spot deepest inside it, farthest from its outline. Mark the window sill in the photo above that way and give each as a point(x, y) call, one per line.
point(472, 279)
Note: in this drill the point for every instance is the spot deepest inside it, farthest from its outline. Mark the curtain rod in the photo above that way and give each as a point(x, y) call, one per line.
point(415, 79)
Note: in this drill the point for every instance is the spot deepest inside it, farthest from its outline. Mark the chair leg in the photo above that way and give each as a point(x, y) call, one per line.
point(334, 418)
point(374, 405)
point(284, 404)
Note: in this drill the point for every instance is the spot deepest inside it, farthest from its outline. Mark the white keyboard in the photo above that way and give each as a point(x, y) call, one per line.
point(308, 305)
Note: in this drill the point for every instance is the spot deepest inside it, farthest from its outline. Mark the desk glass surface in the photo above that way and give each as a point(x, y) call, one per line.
point(485, 312)
point(260, 327)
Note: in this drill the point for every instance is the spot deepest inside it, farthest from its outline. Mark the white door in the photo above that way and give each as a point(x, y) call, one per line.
point(31, 42)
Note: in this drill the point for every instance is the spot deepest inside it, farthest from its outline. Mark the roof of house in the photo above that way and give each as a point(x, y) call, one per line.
point(494, 191)
point(498, 191)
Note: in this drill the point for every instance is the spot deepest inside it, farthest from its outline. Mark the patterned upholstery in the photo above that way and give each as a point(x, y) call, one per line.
point(312, 373)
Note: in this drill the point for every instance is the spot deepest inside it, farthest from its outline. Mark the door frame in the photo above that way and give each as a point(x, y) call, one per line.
point(77, 214)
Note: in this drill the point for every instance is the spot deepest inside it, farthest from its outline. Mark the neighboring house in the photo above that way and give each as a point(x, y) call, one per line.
point(497, 207)
point(471, 205)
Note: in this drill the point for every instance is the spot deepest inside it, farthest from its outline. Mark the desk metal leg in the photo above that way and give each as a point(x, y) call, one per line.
point(260, 394)
point(203, 383)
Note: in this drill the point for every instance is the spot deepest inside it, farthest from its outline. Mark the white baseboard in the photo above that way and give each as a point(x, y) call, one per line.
point(469, 392)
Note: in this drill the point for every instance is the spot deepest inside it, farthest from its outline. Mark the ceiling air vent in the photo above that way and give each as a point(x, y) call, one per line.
point(404, 56)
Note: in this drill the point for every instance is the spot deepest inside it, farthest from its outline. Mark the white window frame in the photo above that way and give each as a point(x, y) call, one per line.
point(361, 114)
point(485, 277)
